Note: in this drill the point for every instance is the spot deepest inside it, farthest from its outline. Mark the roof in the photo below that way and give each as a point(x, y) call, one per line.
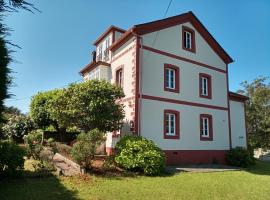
point(110, 29)
point(141, 29)
point(92, 65)
point(237, 97)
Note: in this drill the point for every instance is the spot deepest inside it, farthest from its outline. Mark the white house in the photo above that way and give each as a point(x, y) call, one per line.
point(175, 78)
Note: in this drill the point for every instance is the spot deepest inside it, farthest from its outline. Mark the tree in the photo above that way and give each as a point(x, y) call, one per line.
point(5, 58)
point(39, 109)
point(92, 104)
point(258, 111)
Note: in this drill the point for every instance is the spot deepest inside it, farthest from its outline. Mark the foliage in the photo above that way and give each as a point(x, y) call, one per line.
point(258, 112)
point(39, 109)
point(84, 149)
point(33, 142)
point(5, 57)
point(5, 79)
point(89, 105)
point(63, 149)
point(240, 157)
point(139, 154)
point(17, 126)
point(11, 158)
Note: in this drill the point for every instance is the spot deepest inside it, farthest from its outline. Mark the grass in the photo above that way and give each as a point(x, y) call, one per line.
point(251, 184)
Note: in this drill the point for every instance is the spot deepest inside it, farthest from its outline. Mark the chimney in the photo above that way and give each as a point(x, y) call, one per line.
point(94, 55)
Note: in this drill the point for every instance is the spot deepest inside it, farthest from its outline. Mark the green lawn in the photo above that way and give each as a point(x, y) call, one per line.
point(251, 184)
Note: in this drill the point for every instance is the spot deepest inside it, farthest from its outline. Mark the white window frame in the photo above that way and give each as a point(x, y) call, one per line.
point(170, 117)
point(188, 40)
point(205, 131)
point(204, 86)
point(170, 76)
point(119, 77)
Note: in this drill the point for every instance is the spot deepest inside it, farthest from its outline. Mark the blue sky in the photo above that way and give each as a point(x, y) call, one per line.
point(57, 43)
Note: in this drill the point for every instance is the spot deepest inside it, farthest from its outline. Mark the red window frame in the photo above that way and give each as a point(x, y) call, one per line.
point(209, 86)
point(193, 44)
point(210, 119)
point(177, 124)
point(117, 81)
point(177, 79)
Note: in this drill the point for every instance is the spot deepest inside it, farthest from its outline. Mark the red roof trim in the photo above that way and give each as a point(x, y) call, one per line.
point(110, 29)
point(93, 65)
point(237, 97)
point(142, 29)
point(124, 38)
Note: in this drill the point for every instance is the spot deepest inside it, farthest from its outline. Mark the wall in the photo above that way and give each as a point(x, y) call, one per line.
point(170, 40)
point(152, 121)
point(238, 125)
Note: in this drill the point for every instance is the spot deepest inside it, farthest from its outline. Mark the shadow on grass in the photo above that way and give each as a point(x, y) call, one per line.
point(31, 186)
point(261, 168)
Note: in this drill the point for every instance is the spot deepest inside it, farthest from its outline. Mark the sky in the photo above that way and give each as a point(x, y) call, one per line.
point(57, 43)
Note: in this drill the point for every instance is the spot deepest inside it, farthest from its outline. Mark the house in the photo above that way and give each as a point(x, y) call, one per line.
point(175, 78)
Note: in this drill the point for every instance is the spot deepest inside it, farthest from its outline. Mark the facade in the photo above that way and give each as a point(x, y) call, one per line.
point(175, 78)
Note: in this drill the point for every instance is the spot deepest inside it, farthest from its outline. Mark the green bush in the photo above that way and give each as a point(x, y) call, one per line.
point(240, 157)
point(139, 154)
point(83, 151)
point(33, 142)
point(11, 158)
point(16, 127)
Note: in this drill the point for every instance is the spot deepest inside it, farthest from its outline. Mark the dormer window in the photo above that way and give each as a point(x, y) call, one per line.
point(188, 39)
point(99, 54)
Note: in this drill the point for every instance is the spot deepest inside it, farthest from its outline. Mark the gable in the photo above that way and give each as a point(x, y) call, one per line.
point(169, 40)
point(142, 29)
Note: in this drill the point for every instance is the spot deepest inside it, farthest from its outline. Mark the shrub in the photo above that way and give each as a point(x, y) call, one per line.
point(84, 149)
point(240, 157)
point(33, 142)
point(11, 158)
point(63, 149)
point(17, 126)
point(139, 154)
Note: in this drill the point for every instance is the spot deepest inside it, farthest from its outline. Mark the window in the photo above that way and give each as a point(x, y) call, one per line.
point(188, 39)
point(94, 74)
point(119, 77)
point(106, 51)
point(171, 124)
point(99, 56)
point(171, 78)
point(205, 86)
point(206, 127)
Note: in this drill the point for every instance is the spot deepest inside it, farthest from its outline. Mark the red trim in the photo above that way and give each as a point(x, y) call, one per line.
point(180, 19)
point(123, 39)
point(136, 126)
point(237, 97)
point(110, 29)
point(193, 41)
point(210, 119)
point(113, 36)
point(177, 124)
point(92, 66)
point(182, 58)
point(182, 102)
point(177, 75)
point(178, 157)
point(209, 85)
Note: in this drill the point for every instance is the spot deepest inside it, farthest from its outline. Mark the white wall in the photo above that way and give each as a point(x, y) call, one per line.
point(170, 40)
point(152, 126)
point(238, 126)
point(153, 80)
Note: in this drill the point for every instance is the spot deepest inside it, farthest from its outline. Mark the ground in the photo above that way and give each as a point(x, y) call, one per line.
point(246, 184)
